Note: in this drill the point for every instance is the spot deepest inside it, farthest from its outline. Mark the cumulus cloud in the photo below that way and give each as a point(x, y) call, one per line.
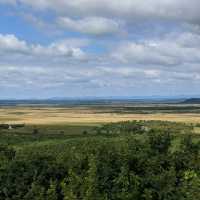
point(57, 49)
point(157, 48)
point(166, 9)
point(172, 50)
point(11, 45)
point(100, 17)
point(90, 25)
point(95, 77)
point(134, 64)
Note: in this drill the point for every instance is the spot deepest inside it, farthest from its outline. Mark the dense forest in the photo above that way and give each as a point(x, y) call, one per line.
point(116, 161)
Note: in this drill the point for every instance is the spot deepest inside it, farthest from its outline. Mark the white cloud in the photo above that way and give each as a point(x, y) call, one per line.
point(152, 73)
point(172, 50)
point(90, 25)
point(166, 9)
point(11, 45)
point(57, 49)
point(141, 57)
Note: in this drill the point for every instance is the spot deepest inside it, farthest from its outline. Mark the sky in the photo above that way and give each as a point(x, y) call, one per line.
point(99, 48)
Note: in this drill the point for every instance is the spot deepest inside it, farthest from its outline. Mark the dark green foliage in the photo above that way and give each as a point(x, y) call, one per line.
point(35, 131)
point(6, 152)
point(17, 125)
point(130, 161)
point(4, 126)
point(85, 132)
point(122, 127)
point(13, 126)
point(159, 142)
point(141, 127)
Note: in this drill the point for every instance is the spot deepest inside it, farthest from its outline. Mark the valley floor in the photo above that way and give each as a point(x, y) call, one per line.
point(99, 114)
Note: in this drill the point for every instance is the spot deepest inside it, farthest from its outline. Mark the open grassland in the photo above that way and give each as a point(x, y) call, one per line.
point(96, 115)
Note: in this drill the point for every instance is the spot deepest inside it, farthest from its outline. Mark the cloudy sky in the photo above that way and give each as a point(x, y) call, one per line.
point(80, 48)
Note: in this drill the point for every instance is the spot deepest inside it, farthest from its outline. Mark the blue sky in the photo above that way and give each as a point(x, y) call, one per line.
point(80, 48)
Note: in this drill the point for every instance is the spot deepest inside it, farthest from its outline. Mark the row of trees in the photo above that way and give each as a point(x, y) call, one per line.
point(141, 127)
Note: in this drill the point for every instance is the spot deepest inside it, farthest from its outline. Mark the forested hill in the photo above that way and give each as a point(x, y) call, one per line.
point(192, 101)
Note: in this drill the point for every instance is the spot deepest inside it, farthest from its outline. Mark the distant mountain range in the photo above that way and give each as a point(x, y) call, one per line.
point(95, 101)
point(192, 101)
point(100, 101)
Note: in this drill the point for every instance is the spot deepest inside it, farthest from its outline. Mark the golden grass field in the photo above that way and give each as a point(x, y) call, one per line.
point(79, 115)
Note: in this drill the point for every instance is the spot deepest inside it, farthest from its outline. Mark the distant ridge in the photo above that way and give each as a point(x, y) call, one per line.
point(88, 101)
point(192, 101)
